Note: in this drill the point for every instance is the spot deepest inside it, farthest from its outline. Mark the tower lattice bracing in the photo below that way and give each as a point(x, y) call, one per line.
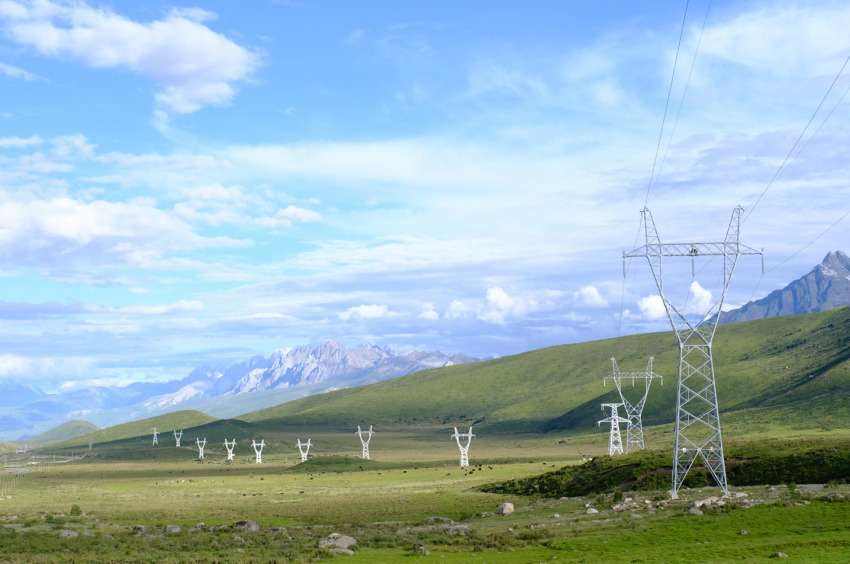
point(615, 439)
point(634, 411)
point(697, 433)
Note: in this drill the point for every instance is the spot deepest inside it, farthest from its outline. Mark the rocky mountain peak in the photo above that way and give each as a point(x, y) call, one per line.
point(827, 286)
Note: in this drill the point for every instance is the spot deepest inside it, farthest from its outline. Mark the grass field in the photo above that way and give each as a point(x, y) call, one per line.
point(411, 495)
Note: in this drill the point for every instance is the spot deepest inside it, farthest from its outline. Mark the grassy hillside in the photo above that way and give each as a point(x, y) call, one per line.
point(779, 373)
point(164, 423)
point(65, 431)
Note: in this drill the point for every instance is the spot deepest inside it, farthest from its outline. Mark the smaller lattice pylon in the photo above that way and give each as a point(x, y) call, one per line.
point(615, 440)
point(177, 436)
point(464, 449)
point(365, 440)
point(230, 446)
point(258, 449)
point(304, 449)
point(201, 444)
point(155, 437)
point(634, 411)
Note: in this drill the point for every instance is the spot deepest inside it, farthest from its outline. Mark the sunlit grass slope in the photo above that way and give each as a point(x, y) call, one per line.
point(772, 374)
point(165, 424)
point(65, 431)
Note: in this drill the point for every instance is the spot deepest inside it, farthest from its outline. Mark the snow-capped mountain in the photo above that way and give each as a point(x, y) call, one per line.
point(224, 391)
point(302, 366)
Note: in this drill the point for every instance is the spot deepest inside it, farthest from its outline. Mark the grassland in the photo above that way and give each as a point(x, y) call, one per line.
point(783, 386)
point(411, 495)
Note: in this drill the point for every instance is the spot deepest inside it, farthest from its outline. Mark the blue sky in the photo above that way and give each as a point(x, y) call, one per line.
point(186, 183)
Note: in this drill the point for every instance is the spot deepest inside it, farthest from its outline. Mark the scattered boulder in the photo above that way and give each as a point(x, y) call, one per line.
point(274, 531)
point(707, 502)
point(140, 529)
point(172, 529)
point(198, 527)
point(247, 526)
point(68, 534)
point(336, 540)
point(422, 551)
point(695, 511)
point(506, 508)
point(778, 555)
point(592, 511)
point(743, 532)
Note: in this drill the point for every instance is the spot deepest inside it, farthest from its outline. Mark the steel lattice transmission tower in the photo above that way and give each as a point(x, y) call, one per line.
point(634, 411)
point(697, 414)
point(615, 439)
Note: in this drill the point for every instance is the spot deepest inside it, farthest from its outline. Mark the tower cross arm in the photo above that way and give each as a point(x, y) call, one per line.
point(693, 249)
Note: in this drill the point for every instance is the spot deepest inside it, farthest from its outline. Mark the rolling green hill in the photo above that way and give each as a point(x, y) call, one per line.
point(63, 432)
point(164, 423)
point(778, 373)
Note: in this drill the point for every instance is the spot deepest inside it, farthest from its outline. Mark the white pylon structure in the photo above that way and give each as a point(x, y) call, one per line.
point(634, 411)
point(365, 441)
point(258, 449)
point(615, 439)
point(464, 449)
point(155, 437)
point(177, 436)
point(697, 432)
point(304, 448)
point(230, 446)
point(201, 444)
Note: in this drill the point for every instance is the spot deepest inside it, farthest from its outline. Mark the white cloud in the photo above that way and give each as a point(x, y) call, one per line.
point(18, 142)
point(15, 72)
point(42, 368)
point(286, 216)
point(590, 296)
point(373, 311)
point(192, 65)
point(429, 313)
point(790, 39)
point(180, 306)
point(501, 306)
point(457, 310)
point(652, 307)
point(60, 230)
point(699, 300)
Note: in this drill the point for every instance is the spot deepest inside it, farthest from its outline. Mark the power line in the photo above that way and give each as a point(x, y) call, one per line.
point(667, 103)
point(791, 152)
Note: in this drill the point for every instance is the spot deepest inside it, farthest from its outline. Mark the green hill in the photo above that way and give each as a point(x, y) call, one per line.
point(164, 423)
point(779, 373)
point(65, 431)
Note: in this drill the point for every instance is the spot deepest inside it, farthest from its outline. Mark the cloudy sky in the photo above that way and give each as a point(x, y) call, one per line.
point(184, 183)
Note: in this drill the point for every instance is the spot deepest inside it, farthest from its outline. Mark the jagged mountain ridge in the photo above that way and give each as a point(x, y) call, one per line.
point(827, 286)
point(309, 368)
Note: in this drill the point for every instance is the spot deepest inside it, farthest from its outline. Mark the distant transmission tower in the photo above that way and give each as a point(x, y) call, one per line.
point(201, 445)
point(615, 440)
point(177, 436)
point(304, 449)
point(365, 440)
point(464, 450)
point(634, 411)
point(155, 437)
point(697, 413)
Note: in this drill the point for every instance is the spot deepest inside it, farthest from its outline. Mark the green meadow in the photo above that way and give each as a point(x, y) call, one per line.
point(109, 495)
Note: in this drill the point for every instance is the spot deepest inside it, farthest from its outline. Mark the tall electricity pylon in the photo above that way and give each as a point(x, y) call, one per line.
point(634, 411)
point(615, 440)
point(697, 413)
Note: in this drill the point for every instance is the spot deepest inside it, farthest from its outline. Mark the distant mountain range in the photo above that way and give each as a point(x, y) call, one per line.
point(827, 286)
point(222, 391)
